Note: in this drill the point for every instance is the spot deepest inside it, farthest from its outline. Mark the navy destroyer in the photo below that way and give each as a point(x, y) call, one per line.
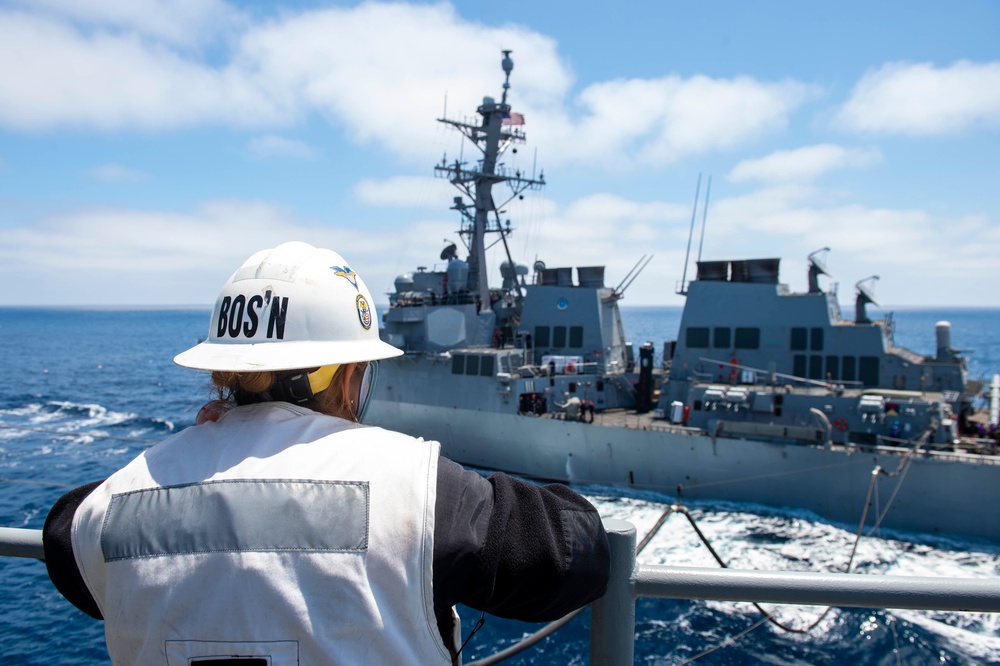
point(766, 395)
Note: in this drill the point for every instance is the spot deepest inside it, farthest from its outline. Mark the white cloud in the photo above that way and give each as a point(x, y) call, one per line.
point(148, 257)
point(382, 70)
point(802, 164)
point(921, 99)
point(406, 191)
point(116, 173)
point(270, 145)
point(377, 71)
point(608, 230)
point(178, 22)
point(53, 75)
point(133, 256)
point(658, 121)
point(921, 256)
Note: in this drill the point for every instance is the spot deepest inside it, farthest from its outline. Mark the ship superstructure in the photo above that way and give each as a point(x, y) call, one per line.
point(753, 358)
point(767, 395)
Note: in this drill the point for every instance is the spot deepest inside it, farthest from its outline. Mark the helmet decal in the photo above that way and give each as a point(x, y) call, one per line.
point(346, 273)
point(241, 316)
point(364, 312)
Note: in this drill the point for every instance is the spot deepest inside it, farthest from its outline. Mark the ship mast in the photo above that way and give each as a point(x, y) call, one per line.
point(498, 131)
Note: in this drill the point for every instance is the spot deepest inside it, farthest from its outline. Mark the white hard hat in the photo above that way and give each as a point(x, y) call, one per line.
point(293, 306)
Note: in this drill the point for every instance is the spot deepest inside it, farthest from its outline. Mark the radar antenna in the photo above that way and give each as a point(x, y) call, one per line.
point(498, 130)
point(508, 67)
point(865, 296)
point(449, 252)
point(817, 267)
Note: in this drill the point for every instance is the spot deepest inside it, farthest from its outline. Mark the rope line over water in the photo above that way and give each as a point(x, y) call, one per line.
point(899, 473)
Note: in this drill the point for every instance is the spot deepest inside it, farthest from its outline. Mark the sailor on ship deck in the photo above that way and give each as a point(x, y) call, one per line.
point(281, 528)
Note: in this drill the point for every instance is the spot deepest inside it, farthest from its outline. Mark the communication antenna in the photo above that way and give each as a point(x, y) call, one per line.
point(623, 285)
point(704, 218)
point(697, 191)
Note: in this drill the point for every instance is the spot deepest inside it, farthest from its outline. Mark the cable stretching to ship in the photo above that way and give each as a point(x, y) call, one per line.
point(899, 473)
point(529, 641)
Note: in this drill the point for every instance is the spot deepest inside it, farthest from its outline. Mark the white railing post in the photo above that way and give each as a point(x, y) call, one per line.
point(612, 617)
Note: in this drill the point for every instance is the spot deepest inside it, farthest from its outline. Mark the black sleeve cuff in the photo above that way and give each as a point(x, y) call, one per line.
point(58, 544)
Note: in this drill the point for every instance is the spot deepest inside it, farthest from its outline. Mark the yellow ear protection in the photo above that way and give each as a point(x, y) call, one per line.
point(301, 388)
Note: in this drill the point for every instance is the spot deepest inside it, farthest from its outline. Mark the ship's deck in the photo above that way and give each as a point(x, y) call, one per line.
point(966, 450)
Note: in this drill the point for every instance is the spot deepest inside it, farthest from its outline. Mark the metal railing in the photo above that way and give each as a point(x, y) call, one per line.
point(612, 620)
point(16, 542)
point(612, 628)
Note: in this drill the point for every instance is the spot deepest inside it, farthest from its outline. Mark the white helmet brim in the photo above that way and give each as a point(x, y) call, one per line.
point(294, 306)
point(281, 355)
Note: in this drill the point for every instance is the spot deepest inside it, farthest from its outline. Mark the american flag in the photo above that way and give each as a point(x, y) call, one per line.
point(513, 119)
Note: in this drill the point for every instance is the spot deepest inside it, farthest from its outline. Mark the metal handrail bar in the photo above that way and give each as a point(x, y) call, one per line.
point(612, 624)
point(819, 589)
point(19, 542)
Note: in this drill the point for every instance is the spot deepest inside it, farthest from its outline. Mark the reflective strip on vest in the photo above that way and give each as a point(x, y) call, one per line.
point(237, 516)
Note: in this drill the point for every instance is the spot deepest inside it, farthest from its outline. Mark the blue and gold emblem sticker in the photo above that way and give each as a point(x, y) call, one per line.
point(364, 312)
point(349, 275)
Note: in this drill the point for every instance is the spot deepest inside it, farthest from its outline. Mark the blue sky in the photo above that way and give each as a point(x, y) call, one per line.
point(147, 147)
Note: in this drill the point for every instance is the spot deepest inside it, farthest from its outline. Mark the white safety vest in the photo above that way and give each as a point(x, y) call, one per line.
point(276, 533)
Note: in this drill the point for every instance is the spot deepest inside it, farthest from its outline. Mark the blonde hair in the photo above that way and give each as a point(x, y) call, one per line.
point(247, 388)
point(229, 384)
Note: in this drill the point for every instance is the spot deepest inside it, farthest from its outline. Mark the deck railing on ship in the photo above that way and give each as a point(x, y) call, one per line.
point(612, 627)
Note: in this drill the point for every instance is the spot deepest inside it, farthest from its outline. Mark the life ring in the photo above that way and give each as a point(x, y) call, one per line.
point(840, 424)
point(570, 368)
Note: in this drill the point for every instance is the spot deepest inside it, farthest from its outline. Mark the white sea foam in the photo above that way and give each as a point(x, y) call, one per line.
point(96, 415)
point(797, 541)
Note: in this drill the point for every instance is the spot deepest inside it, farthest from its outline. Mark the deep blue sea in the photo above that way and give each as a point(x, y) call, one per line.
point(84, 391)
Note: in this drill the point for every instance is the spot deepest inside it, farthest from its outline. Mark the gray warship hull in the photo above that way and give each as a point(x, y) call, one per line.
point(766, 395)
point(940, 493)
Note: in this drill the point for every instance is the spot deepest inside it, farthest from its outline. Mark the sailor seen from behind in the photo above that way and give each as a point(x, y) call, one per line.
point(282, 530)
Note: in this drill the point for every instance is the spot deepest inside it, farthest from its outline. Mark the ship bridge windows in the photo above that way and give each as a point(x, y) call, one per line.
point(558, 337)
point(837, 368)
point(815, 366)
point(868, 371)
point(803, 338)
point(748, 338)
point(833, 367)
point(722, 337)
point(799, 365)
point(816, 339)
point(800, 339)
point(848, 365)
point(473, 364)
point(542, 339)
point(697, 337)
point(576, 337)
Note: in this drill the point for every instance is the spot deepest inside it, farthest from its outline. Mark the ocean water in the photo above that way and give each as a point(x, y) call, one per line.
point(85, 391)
